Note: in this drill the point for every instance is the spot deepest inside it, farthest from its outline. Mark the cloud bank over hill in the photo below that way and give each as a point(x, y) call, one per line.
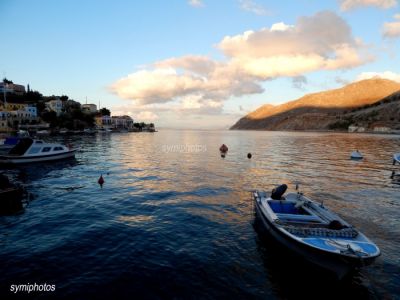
point(201, 84)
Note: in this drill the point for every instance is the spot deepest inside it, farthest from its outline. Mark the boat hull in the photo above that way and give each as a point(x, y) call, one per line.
point(338, 264)
point(8, 159)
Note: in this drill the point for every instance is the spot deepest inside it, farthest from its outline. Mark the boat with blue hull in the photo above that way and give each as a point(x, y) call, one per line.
point(312, 231)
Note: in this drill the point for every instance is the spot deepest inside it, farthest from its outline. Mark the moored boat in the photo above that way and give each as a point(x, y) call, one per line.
point(356, 155)
point(31, 150)
point(314, 232)
point(396, 158)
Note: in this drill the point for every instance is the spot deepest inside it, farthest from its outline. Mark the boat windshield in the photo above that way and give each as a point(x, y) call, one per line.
point(21, 147)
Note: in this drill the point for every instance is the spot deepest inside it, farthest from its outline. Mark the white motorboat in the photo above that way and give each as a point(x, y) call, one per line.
point(356, 155)
point(396, 158)
point(314, 232)
point(31, 150)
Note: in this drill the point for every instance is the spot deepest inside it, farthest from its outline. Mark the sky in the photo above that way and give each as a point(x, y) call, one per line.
point(197, 64)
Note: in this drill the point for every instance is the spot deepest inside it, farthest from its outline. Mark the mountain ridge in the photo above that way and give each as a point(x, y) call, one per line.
point(318, 111)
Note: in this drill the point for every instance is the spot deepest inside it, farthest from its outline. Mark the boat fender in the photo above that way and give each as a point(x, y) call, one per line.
point(278, 192)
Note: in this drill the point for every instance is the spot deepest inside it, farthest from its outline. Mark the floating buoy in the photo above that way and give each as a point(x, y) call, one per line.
point(248, 155)
point(223, 148)
point(356, 155)
point(101, 181)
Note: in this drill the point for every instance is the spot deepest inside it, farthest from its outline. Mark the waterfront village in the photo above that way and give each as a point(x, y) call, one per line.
point(28, 110)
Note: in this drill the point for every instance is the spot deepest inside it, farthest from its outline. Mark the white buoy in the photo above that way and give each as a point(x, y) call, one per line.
point(356, 155)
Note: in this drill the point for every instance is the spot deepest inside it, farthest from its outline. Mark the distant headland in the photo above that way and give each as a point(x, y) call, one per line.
point(371, 105)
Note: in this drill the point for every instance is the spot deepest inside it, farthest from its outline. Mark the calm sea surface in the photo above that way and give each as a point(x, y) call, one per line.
point(175, 220)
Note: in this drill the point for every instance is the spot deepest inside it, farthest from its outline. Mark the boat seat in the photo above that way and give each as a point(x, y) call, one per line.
point(322, 232)
point(298, 218)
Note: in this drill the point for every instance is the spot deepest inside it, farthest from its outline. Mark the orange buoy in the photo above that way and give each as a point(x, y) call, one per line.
point(101, 181)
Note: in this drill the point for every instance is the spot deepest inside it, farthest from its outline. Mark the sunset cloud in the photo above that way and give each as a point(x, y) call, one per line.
point(200, 84)
point(320, 42)
point(146, 116)
point(196, 3)
point(298, 82)
point(252, 6)
point(153, 86)
point(353, 4)
point(384, 75)
point(392, 29)
point(174, 78)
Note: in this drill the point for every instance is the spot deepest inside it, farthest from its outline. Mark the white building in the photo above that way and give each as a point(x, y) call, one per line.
point(103, 121)
point(31, 110)
point(22, 115)
point(55, 105)
point(3, 120)
point(353, 128)
point(125, 122)
point(17, 89)
point(382, 129)
point(89, 108)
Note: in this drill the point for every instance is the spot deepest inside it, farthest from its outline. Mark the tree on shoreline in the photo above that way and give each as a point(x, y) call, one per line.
point(105, 112)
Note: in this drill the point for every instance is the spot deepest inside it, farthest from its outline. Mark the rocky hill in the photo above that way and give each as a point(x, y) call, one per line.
point(333, 109)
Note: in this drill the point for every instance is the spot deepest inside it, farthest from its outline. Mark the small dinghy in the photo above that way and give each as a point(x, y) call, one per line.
point(29, 151)
point(356, 155)
point(314, 232)
point(396, 158)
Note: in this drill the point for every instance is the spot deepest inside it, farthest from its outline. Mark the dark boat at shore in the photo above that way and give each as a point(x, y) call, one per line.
point(313, 232)
point(11, 196)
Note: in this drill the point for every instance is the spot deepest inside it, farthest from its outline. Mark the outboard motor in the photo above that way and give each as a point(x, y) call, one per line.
point(278, 192)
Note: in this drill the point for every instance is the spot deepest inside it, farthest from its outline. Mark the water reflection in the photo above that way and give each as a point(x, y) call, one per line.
point(174, 222)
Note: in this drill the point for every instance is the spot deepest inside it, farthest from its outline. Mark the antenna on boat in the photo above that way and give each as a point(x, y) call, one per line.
point(299, 194)
point(322, 203)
